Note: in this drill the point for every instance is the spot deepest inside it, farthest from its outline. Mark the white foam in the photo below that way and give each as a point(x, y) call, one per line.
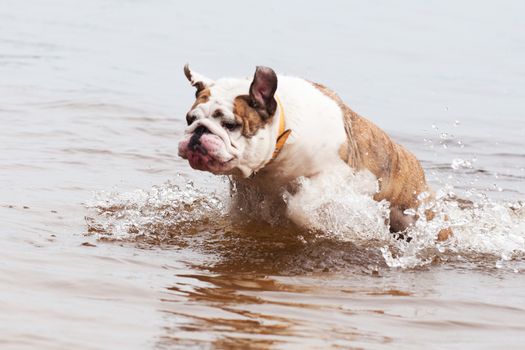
point(489, 227)
point(158, 212)
point(339, 206)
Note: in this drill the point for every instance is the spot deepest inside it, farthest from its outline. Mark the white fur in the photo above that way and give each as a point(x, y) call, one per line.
point(317, 128)
point(315, 120)
point(312, 149)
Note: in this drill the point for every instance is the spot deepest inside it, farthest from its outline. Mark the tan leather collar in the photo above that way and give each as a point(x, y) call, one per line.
point(283, 134)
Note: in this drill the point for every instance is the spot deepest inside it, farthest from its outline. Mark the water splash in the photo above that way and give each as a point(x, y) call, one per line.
point(347, 212)
point(338, 207)
point(165, 212)
point(340, 204)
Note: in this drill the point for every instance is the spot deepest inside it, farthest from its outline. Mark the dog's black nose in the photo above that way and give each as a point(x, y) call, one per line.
point(195, 143)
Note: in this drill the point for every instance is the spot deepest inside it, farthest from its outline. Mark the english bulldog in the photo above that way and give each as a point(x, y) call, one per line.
point(270, 130)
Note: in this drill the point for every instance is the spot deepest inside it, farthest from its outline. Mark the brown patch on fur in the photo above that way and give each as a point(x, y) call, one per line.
point(349, 150)
point(343, 152)
point(248, 116)
point(202, 96)
point(401, 177)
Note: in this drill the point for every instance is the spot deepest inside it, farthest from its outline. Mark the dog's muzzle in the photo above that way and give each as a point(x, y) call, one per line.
point(205, 148)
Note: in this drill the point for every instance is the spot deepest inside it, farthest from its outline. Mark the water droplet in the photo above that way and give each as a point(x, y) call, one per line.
point(459, 163)
point(411, 212)
point(422, 196)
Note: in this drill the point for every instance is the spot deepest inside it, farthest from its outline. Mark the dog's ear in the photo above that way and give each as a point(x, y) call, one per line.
point(199, 81)
point(262, 89)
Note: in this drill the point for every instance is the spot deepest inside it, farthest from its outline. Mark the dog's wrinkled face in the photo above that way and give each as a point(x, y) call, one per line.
point(230, 123)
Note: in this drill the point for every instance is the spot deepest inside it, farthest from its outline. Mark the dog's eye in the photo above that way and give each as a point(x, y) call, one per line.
point(230, 125)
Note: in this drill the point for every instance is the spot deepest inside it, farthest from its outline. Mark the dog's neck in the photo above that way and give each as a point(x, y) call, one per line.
point(280, 135)
point(317, 134)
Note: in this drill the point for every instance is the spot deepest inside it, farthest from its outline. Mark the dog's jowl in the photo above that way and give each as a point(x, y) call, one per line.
point(269, 130)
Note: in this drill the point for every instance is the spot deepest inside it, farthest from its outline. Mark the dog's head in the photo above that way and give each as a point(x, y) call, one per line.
point(230, 123)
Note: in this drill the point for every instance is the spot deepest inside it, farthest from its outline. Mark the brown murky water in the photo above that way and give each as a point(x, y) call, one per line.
point(110, 241)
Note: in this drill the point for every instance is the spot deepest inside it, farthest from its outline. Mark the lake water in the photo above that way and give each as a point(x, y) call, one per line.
point(110, 241)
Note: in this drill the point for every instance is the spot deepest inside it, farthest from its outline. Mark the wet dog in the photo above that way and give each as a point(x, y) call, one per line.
point(270, 130)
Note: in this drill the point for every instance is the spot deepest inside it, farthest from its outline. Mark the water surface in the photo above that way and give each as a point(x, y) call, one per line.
point(111, 241)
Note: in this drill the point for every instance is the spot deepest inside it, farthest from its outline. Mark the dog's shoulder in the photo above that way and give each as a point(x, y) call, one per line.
point(304, 90)
point(305, 103)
